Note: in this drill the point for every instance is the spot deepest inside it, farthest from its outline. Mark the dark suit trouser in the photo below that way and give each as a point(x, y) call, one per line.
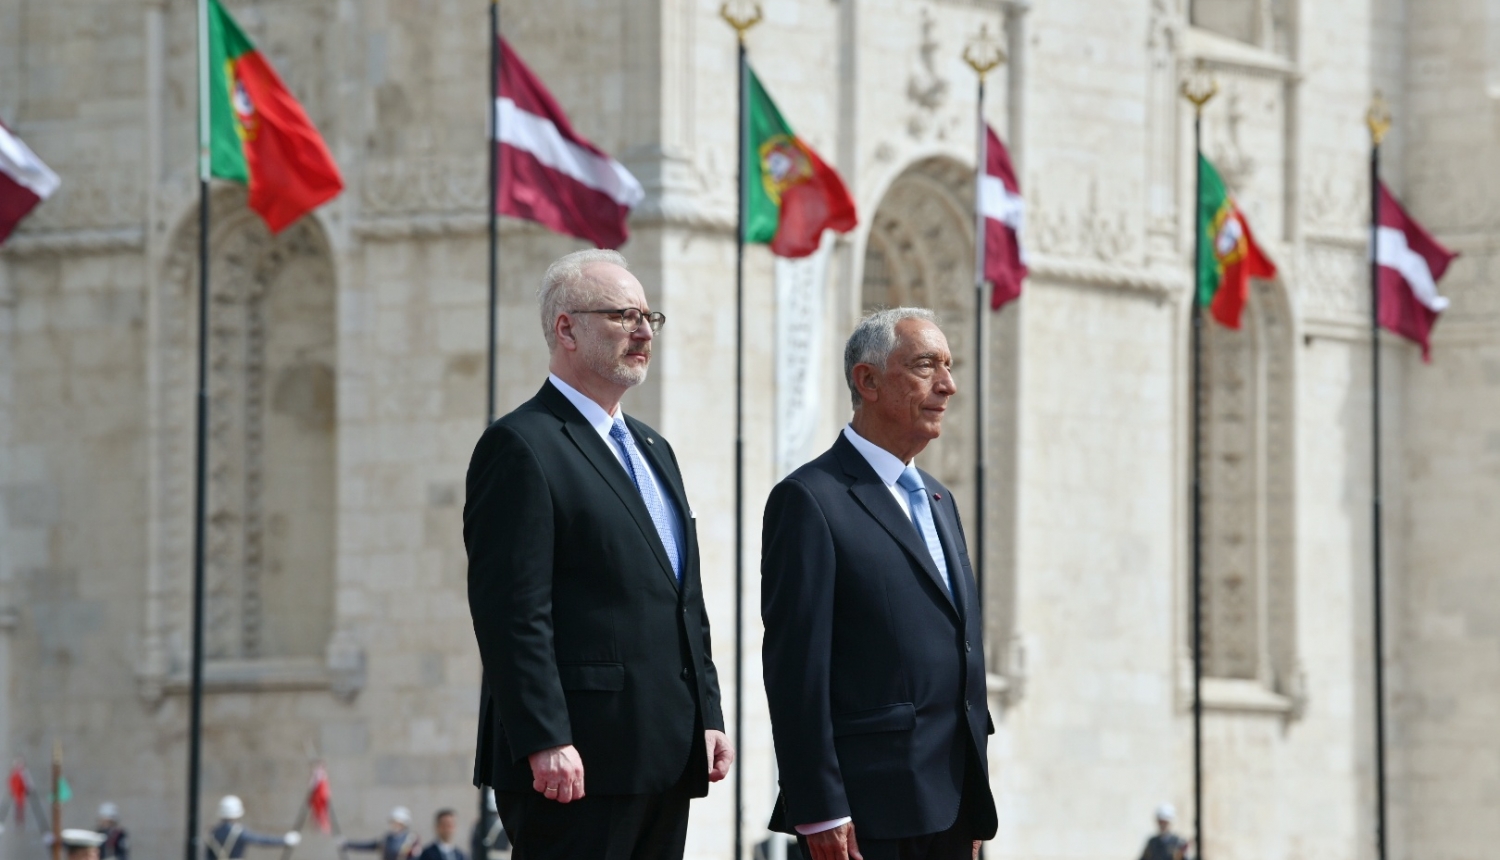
point(606, 827)
point(955, 843)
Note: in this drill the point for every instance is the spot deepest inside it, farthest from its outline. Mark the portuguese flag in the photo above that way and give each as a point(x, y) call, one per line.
point(1227, 254)
point(791, 195)
point(260, 134)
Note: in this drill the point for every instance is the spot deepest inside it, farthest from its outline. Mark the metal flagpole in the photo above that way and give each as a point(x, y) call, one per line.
point(200, 479)
point(494, 233)
point(741, 25)
point(1198, 89)
point(982, 55)
point(57, 800)
point(1379, 120)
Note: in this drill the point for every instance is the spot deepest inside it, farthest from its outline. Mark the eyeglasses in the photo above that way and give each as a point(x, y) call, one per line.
point(630, 318)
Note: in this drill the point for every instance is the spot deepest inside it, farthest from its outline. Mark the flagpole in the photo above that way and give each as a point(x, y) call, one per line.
point(741, 25)
point(1198, 89)
point(1379, 121)
point(982, 55)
point(200, 478)
point(494, 217)
point(57, 800)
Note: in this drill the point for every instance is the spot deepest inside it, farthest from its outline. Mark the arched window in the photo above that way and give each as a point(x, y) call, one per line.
point(1247, 457)
point(271, 453)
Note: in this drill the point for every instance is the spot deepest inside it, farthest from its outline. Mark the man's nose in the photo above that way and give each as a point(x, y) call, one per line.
point(945, 383)
point(643, 331)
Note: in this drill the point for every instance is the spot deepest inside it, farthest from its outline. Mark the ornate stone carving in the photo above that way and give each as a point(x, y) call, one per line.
point(1091, 231)
point(926, 90)
point(424, 184)
point(1334, 286)
point(91, 199)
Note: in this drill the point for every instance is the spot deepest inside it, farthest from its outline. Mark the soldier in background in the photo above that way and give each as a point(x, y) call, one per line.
point(82, 844)
point(488, 840)
point(399, 843)
point(1165, 845)
point(230, 838)
point(116, 841)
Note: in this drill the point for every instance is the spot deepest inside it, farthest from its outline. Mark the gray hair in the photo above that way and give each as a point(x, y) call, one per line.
point(565, 287)
point(874, 339)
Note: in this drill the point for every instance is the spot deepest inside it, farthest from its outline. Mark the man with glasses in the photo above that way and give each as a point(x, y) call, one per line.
point(599, 714)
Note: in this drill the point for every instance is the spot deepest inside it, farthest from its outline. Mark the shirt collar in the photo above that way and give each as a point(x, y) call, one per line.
point(592, 412)
point(886, 465)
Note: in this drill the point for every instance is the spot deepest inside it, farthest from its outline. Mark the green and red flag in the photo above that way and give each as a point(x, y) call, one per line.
point(791, 195)
point(259, 133)
point(1227, 254)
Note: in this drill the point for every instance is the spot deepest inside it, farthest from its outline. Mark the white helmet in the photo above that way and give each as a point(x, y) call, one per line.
point(401, 815)
point(231, 808)
point(109, 812)
point(1166, 812)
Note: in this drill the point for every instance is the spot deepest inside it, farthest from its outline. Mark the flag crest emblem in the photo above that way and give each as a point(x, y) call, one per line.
point(783, 163)
point(246, 122)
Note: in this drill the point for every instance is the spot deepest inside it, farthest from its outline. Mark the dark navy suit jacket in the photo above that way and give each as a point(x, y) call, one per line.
point(874, 673)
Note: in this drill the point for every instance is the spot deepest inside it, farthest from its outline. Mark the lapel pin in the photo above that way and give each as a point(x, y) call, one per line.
point(938, 496)
point(650, 441)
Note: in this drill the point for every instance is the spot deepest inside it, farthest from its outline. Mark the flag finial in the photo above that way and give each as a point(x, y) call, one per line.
point(983, 53)
point(1378, 118)
point(1199, 86)
point(741, 21)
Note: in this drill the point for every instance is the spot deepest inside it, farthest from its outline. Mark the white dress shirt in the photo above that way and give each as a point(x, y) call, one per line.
point(602, 421)
point(888, 467)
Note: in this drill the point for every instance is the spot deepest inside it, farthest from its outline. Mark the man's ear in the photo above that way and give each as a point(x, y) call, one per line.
point(562, 330)
point(866, 381)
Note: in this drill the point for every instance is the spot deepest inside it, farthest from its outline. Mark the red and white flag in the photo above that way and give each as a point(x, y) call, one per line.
point(1410, 263)
point(1004, 212)
point(19, 785)
point(24, 181)
point(548, 172)
point(320, 798)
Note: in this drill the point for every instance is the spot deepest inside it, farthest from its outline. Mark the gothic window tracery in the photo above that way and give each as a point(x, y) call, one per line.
point(1246, 457)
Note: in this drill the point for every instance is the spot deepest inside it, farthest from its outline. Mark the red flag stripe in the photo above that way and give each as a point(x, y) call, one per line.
point(545, 140)
point(535, 192)
point(1004, 212)
point(16, 202)
point(520, 85)
point(21, 165)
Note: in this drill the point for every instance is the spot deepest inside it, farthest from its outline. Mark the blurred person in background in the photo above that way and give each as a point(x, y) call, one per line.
point(116, 841)
point(398, 843)
point(230, 838)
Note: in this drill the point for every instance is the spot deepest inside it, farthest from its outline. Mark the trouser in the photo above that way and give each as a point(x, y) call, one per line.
point(601, 827)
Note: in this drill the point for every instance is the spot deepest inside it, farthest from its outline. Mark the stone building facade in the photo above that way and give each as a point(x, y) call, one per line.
point(348, 372)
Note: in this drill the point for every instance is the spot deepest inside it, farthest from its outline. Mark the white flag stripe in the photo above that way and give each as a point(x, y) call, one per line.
point(998, 203)
point(21, 164)
point(540, 137)
point(1392, 251)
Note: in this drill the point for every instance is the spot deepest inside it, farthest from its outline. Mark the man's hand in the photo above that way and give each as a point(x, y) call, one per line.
point(976, 850)
point(557, 773)
point(836, 844)
point(720, 754)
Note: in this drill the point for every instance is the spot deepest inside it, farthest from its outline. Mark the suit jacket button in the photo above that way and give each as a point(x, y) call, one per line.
point(966, 704)
point(967, 647)
point(684, 673)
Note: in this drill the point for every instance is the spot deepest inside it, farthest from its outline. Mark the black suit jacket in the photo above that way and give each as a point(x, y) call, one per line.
point(585, 635)
point(874, 674)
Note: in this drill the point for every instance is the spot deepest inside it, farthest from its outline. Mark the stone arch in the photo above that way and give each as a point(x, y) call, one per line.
point(272, 442)
point(1247, 458)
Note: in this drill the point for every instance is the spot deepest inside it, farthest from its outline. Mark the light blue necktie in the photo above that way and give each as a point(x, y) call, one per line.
point(635, 465)
point(921, 517)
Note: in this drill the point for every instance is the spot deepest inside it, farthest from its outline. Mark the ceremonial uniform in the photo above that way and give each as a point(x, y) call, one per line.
point(230, 838)
point(395, 845)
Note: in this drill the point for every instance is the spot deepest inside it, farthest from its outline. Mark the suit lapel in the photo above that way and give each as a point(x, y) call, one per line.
point(609, 468)
point(952, 550)
point(875, 497)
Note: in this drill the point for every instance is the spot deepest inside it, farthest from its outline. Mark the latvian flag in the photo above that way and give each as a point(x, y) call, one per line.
point(1410, 262)
point(548, 172)
point(1003, 210)
point(24, 181)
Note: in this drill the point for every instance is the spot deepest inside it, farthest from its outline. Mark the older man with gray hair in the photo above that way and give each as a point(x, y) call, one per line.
point(873, 660)
point(586, 597)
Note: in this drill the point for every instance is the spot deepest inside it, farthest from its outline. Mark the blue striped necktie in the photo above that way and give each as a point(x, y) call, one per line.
point(635, 465)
